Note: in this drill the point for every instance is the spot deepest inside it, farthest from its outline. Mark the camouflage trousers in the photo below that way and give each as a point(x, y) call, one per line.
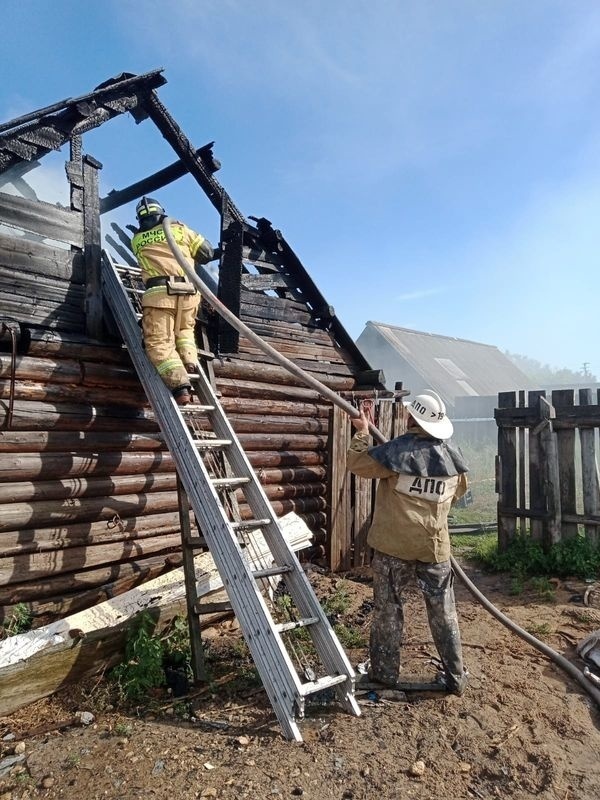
point(391, 576)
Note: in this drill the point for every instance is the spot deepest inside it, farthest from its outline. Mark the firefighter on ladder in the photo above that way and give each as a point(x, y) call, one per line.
point(170, 301)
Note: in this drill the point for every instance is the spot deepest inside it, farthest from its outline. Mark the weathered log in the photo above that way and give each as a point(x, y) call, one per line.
point(51, 315)
point(319, 368)
point(292, 475)
point(36, 663)
point(70, 393)
point(254, 389)
point(40, 287)
point(45, 219)
point(267, 423)
point(19, 253)
point(35, 592)
point(294, 350)
point(238, 405)
point(84, 443)
point(92, 509)
point(288, 490)
point(271, 374)
point(295, 332)
point(291, 441)
point(88, 533)
point(30, 415)
point(27, 467)
point(299, 505)
point(28, 491)
point(299, 458)
point(34, 566)
point(44, 343)
point(128, 575)
point(68, 371)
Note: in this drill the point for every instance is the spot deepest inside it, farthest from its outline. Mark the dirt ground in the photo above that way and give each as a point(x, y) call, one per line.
point(523, 729)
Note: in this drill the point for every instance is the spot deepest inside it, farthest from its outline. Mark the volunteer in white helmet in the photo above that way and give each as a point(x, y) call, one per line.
point(421, 473)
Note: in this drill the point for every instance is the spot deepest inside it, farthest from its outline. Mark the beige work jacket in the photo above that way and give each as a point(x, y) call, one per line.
point(410, 519)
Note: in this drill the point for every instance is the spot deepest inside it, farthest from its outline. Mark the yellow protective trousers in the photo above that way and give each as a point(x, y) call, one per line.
point(168, 324)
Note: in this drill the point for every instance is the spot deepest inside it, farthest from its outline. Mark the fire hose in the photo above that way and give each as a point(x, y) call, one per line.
point(353, 412)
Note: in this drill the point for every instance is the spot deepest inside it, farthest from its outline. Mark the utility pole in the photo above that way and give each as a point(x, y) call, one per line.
point(586, 372)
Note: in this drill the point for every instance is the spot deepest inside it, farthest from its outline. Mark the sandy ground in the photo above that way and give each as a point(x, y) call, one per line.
point(523, 729)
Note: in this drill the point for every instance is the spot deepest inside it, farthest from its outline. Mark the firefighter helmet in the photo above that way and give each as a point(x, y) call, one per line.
point(148, 207)
point(428, 411)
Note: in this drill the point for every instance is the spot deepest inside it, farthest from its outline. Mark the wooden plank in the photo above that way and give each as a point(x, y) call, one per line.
point(536, 497)
point(38, 258)
point(260, 283)
point(339, 552)
point(550, 476)
point(589, 472)
point(507, 458)
point(565, 440)
point(362, 507)
point(522, 501)
point(275, 311)
point(45, 219)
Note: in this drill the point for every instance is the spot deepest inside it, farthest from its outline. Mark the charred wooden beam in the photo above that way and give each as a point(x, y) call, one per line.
point(117, 198)
point(30, 137)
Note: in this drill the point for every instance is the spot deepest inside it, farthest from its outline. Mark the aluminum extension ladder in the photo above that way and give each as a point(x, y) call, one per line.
point(270, 642)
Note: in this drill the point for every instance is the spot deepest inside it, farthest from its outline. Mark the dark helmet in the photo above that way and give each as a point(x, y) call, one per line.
point(148, 207)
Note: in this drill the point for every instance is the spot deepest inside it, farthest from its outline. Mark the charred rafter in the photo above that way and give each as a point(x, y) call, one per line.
point(31, 137)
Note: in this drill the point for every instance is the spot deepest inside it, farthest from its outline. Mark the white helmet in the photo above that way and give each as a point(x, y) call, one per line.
point(429, 411)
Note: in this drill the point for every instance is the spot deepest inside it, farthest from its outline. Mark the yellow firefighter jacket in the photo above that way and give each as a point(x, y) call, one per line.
point(154, 254)
point(410, 519)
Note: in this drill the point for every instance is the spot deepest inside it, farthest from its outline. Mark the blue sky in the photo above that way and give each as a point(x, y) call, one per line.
point(435, 165)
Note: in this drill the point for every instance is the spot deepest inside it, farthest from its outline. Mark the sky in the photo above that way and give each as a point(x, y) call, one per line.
point(435, 164)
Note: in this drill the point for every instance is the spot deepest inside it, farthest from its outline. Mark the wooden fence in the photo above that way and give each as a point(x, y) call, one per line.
point(350, 498)
point(547, 466)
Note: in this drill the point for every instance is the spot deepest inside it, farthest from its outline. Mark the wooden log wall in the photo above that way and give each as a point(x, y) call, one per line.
point(42, 276)
point(88, 499)
point(547, 474)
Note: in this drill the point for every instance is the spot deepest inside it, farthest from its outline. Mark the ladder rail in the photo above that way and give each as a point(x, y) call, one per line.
point(282, 682)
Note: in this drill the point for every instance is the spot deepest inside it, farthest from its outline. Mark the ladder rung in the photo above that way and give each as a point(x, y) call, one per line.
point(267, 572)
point(249, 524)
point(210, 444)
point(229, 482)
point(127, 268)
point(283, 627)
point(195, 407)
point(322, 683)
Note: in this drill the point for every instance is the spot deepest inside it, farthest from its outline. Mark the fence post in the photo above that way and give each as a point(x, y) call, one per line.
point(589, 472)
point(506, 477)
point(564, 399)
point(550, 475)
point(537, 500)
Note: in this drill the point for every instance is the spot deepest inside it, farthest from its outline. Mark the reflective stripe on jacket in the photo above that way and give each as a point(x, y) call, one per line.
point(154, 254)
